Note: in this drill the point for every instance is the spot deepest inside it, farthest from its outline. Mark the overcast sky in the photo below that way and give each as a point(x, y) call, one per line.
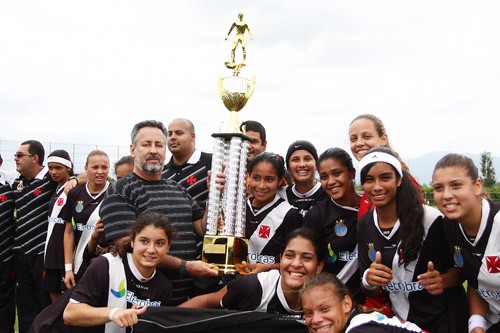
point(87, 71)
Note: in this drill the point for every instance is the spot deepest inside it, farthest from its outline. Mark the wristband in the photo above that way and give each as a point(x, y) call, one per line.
point(477, 321)
point(112, 313)
point(76, 179)
point(365, 282)
point(182, 268)
point(68, 267)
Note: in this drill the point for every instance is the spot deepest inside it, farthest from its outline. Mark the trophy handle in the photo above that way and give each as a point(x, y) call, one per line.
point(250, 86)
point(220, 87)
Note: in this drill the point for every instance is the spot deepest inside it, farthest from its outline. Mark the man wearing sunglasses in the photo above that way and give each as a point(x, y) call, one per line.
point(32, 193)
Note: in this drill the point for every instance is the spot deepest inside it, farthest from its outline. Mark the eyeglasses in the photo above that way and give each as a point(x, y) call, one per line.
point(21, 155)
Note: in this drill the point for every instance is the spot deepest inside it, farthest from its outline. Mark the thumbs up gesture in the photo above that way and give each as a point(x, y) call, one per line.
point(432, 280)
point(378, 273)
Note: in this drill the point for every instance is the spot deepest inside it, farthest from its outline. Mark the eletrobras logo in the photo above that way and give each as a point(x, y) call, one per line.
point(131, 298)
point(121, 290)
point(404, 286)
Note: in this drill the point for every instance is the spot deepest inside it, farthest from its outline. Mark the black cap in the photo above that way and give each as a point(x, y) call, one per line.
point(301, 145)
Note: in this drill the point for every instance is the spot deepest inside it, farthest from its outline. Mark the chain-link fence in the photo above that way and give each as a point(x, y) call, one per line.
point(77, 152)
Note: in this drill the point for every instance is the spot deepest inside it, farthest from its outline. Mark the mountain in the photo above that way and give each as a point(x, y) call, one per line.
point(423, 166)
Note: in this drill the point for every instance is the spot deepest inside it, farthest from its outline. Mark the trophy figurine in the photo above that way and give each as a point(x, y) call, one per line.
point(224, 244)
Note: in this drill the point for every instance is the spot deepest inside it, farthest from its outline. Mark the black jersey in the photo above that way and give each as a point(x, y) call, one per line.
point(479, 261)
point(81, 211)
point(94, 288)
point(259, 292)
point(54, 245)
point(305, 201)
point(336, 227)
point(375, 322)
point(7, 226)
point(409, 300)
point(192, 175)
point(32, 199)
point(267, 228)
point(79, 207)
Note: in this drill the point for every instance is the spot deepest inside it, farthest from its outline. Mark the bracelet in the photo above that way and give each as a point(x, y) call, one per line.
point(112, 313)
point(68, 267)
point(182, 268)
point(365, 282)
point(477, 321)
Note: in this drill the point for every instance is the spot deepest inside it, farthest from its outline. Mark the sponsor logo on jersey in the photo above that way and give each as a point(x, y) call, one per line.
point(459, 260)
point(340, 228)
point(60, 201)
point(191, 180)
point(256, 257)
point(121, 290)
point(372, 254)
point(332, 257)
point(489, 293)
point(56, 220)
point(264, 231)
point(84, 227)
point(493, 264)
point(73, 224)
point(131, 298)
point(404, 286)
point(348, 256)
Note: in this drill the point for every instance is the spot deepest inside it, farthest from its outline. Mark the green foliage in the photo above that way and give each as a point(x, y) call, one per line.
point(487, 170)
point(428, 195)
point(494, 193)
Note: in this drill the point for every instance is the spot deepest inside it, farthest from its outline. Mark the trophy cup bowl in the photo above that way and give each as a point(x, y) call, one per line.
point(224, 244)
point(235, 92)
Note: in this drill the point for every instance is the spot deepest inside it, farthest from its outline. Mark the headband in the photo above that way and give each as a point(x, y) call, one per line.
point(379, 156)
point(60, 160)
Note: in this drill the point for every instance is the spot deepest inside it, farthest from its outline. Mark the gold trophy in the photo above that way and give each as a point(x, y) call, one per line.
point(224, 244)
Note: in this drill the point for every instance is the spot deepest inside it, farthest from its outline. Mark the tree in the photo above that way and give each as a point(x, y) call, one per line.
point(487, 169)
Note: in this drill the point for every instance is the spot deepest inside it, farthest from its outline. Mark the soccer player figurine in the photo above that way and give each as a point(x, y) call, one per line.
point(241, 26)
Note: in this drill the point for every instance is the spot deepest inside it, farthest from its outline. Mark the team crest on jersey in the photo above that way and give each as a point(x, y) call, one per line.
point(60, 201)
point(3, 198)
point(79, 206)
point(191, 180)
point(264, 231)
point(37, 191)
point(372, 254)
point(332, 257)
point(493, 264)
point(459, 260)
point(20, 185)
point(340, 228)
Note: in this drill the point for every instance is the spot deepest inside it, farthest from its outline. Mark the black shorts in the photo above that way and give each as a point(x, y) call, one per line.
point(53, 280)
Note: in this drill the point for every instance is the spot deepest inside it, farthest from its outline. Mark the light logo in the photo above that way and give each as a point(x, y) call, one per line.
point(121, 290)
point(332, 257)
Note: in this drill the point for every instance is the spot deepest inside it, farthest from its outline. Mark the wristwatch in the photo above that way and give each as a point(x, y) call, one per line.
point(182, 268)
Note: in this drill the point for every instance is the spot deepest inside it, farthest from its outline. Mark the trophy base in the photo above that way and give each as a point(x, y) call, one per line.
point(226, 253)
